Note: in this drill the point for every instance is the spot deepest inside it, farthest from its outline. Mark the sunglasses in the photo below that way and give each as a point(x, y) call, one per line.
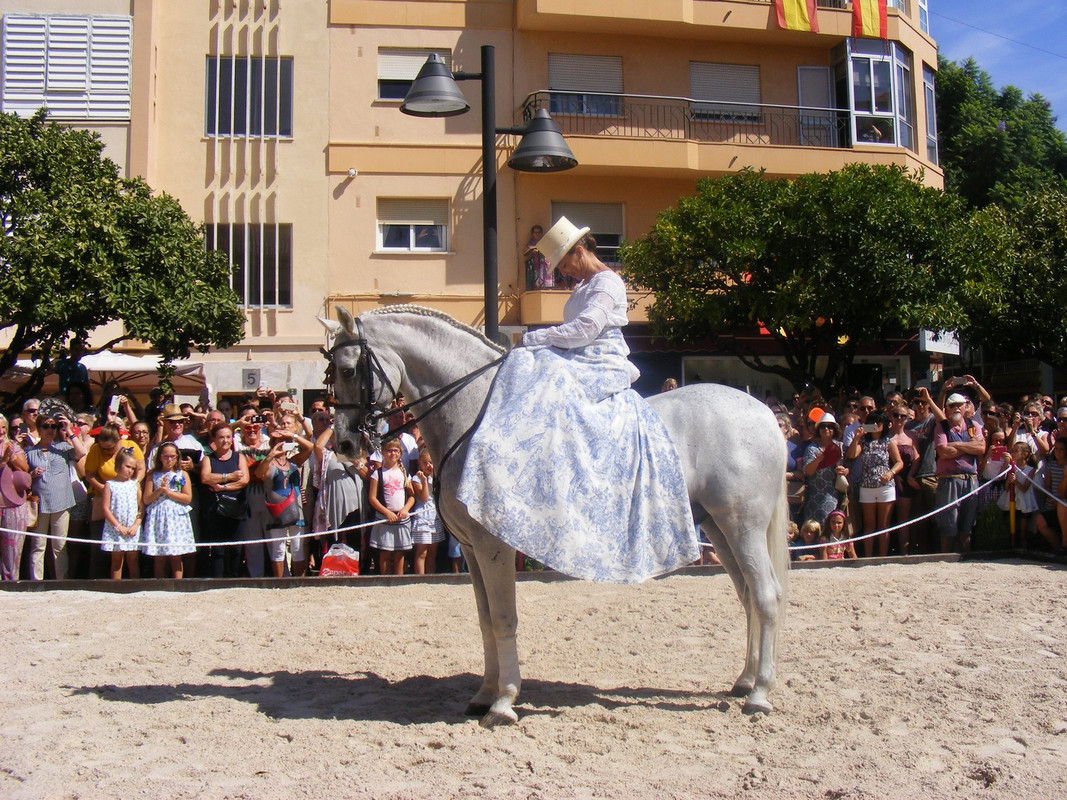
point(900, 416)
point(48, 426)
point(866, 408)
point(1033, 413)
point(31, 410)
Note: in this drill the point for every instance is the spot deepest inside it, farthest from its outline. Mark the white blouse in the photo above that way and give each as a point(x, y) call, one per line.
point(594, 305)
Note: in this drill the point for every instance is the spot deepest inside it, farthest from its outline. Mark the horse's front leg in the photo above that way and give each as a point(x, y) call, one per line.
point(493, 576)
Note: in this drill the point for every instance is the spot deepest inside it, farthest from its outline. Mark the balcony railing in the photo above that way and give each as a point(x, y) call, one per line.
point(840, 4)
point(682, 118)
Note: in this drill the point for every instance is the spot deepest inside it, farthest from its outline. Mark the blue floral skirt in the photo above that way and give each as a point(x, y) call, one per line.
point(573, 468)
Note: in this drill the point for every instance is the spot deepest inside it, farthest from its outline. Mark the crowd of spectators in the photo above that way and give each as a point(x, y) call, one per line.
point(151, 488)
point(912, 474)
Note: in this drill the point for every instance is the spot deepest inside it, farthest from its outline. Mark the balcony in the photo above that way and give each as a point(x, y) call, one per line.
point(685, 119)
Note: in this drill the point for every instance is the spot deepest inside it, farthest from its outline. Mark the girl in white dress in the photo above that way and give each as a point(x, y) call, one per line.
point(426, 529)
point(122, 517)
point(168, 497)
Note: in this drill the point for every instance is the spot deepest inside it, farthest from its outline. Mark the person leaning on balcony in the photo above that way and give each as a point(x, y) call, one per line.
point(538, 274)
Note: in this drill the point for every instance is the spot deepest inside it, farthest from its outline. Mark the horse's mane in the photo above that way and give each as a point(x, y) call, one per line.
point(423, 311)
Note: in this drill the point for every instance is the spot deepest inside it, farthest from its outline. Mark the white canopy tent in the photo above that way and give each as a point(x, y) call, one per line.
point(134, 374)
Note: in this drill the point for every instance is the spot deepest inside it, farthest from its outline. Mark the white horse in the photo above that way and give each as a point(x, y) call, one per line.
point(732, 454)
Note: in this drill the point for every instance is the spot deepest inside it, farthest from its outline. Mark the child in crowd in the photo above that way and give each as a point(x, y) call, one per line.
point(122, 517)
point(168, 497)
point(426, 528)
point(810, 533)
point(1022, 458)
point(835, 532)
point(390, 494)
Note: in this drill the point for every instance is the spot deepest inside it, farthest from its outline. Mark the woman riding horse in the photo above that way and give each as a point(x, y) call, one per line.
point(570, 465)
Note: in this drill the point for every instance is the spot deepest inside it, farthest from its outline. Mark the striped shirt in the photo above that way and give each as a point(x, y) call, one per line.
point(53, 487)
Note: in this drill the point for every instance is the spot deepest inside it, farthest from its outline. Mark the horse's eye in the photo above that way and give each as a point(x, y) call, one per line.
point(349, 372)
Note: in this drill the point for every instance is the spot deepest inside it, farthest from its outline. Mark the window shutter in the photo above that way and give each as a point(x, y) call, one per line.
point(395, 64)
point(412, 211)
point(600, 217)
point(25, 51)
point(68, 54)
point(737, 83)
point(109, 67)
point(584, 73)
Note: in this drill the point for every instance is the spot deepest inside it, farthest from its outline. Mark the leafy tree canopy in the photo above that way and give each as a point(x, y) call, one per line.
point(82, 247)
point(825, 262)
point(995, 147)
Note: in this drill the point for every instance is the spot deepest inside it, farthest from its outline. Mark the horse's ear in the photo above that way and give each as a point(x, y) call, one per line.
point(334, 329)
point(348, 322)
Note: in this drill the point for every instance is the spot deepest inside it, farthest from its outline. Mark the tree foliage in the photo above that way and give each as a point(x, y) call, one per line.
point(995, 146)
point(83, 247)
point(827, 263)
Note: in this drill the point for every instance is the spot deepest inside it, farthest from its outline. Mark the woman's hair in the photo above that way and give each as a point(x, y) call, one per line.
point(878, 418)
point(122, 456)
point(111, 432)
point(588, 242)
point(221, 426)
point(157, 462)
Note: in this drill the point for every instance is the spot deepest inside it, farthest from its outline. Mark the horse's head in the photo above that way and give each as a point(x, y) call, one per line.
point(364, 385)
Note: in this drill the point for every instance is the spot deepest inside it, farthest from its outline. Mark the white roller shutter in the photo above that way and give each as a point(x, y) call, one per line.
point(396, 64)
point(583, 73)
point(600, 217)
point(724, 83)
point(412, 211)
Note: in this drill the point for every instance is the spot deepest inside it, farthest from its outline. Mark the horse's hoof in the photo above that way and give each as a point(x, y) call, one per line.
point(477, 710)
point(495, 719)
point(741, 689)
point(757, 706)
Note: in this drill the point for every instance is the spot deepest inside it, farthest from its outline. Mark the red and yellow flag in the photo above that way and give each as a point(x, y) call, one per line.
point(797, 15)
point(869, 18)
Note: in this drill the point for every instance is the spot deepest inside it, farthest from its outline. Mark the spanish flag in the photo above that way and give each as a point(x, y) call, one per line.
point(797, 15)
point(869, 19)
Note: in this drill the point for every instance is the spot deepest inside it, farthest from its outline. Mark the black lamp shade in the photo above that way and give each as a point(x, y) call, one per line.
point(434, 92)
point(542, 148)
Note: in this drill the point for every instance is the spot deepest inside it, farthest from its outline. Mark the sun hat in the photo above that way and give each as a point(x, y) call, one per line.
point(828, 419)
point(173, 412)
point(956, 397)
point(14, 486)
point(558, 241)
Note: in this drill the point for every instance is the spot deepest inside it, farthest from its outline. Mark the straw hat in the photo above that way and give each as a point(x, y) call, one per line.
point(559, 239)
point(14, 486)
point(172, 411)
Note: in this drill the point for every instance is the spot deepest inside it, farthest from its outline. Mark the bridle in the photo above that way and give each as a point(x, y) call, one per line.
point(367, 367)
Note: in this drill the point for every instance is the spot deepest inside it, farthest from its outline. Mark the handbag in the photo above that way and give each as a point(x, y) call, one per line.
point(231, 505)
point(286, 512)
point(841, 484)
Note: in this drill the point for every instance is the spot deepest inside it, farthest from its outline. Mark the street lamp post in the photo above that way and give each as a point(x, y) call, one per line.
point(542, 148)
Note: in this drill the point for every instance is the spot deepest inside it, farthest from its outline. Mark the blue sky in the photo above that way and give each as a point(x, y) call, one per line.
point(1022, 43)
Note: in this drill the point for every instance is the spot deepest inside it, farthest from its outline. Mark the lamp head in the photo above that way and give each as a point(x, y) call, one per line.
point(434, 92)
point(542, 148)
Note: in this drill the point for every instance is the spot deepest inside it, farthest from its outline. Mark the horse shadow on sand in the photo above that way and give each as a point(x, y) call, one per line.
point(420, 699)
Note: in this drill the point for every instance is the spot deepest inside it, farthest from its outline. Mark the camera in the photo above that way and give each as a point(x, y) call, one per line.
point(871, 427)
point(258, 419)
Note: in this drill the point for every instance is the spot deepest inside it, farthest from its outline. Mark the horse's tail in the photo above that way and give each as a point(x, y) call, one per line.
point(778, 547)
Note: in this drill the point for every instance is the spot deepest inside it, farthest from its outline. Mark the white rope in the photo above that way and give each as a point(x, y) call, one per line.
point(308, 535)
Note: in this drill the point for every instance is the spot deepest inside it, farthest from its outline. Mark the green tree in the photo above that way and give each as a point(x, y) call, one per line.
point(1029, 319)
point(82, 247)
point(826, 263)
point(995, 146)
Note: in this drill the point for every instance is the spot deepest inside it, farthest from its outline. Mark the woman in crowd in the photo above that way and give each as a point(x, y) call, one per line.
point(15, 511)
point(822, 464)
point(99, 469)
point(342, 492)
point(280, 477)
point(898, 419)
point(881, 464)
point(224, 476)
point(632, 494)
point(253, 445)
point(49, 461)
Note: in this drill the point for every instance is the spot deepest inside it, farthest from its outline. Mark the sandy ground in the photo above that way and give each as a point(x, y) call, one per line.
point(897, 681)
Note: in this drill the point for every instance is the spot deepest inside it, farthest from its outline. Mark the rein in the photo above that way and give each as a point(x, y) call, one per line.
point(368, 366)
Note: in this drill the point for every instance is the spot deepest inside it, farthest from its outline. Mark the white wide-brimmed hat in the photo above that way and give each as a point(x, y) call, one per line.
point(559, 239)
point(955, 398)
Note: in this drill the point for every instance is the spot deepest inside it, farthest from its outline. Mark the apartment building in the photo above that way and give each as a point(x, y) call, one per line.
point(277, 123)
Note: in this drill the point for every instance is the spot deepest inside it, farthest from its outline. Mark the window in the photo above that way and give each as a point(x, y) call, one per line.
point(721, 84)
point(930, 106)
point(398, 68)
point(605, 221)
point(262, 257)
point(924, 16)
point(408, 225)
point(249, 96)
point(585, 85)
point(881, 94)
point(76, 67)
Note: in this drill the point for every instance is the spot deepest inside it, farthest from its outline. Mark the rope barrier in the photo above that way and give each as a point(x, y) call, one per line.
point(242, 543)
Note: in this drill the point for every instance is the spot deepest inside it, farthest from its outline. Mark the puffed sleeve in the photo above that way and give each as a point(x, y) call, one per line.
point(600, 310)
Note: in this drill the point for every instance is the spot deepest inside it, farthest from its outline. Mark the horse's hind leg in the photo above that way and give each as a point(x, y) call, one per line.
point(494, 593)
point(752, 572)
